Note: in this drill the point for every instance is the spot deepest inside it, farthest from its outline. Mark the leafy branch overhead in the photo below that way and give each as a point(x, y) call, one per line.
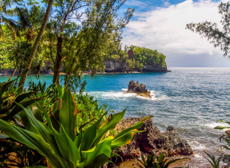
point(220, 38)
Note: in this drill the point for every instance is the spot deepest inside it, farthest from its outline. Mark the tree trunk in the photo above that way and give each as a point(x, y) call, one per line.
point(57, 66)
point(36, 43)
point(12, 74)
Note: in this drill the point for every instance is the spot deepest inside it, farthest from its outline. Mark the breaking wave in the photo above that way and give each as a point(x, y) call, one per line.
point(122, 95)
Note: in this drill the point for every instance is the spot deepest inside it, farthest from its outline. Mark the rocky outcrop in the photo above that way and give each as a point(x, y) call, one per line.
point(140, 90)
point(115, 66)
point(152, 139)
point(136, 88)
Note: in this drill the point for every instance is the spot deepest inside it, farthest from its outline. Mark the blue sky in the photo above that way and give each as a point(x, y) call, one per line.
point(160, 24)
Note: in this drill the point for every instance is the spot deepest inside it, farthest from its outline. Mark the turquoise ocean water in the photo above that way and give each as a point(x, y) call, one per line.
point(190, 99)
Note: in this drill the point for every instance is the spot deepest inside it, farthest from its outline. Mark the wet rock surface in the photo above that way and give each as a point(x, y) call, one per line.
point(140, 90)
point(134, 87)
point(152, 139)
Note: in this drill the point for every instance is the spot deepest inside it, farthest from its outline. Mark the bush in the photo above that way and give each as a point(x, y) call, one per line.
point(155, 161)
point(89, 110)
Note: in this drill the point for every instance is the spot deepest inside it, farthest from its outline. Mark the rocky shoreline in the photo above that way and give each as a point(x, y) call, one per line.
point(152, 139)
point(111, 66)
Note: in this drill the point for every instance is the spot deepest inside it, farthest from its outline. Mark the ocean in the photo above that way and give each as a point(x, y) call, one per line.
point(190, 99)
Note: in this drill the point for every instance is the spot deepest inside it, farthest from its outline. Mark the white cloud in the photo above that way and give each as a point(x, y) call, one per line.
point(166, 3)
point(164, 29)
point(136, 3)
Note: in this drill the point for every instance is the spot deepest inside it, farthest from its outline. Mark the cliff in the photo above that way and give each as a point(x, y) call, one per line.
point(116, 66)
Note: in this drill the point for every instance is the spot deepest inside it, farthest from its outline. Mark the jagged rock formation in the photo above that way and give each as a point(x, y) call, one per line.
point(152, 139)
point(140, 90)
point(134, 87)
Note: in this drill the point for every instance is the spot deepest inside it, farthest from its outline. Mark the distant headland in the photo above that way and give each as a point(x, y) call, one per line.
point(131, 60)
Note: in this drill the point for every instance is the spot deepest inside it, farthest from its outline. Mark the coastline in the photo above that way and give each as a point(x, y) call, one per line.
point(101, 73)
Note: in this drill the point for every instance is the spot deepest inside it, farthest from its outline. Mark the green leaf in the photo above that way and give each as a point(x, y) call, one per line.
point(37, 113)
point(67, 147)
point(124, 139)
point(38, 127)
point(89, 136)
point(78, 139)
point(98, 156)
point(224, 121)
point(18, 108)
point(22, 96)
point(161, 157)
point(67, 114)
point(109, 124)
point(55, 114)
point(33, 141)
point(220, 127)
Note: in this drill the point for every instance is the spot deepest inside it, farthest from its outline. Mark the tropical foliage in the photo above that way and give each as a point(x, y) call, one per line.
point(91, 148)
point(136, 57)
point(9, 99)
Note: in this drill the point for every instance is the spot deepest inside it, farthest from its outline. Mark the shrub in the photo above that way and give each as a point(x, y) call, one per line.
point(155, 161)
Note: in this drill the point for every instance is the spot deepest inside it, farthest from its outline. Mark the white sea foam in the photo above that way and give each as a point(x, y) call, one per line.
point(121, 95)
point(198, 155)
point(125, 90)
point(196, 145)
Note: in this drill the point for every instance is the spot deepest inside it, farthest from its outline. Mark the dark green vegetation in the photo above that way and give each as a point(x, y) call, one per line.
point(137, 57)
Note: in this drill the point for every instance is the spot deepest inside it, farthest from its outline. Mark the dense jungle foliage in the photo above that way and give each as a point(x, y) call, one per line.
point(137, 57)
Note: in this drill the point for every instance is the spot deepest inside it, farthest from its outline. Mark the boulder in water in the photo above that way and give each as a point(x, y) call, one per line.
point(134, 87)
point(140, 90)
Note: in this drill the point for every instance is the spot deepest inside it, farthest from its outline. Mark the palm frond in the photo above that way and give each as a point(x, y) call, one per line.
point(12, 25)
point(24, 18)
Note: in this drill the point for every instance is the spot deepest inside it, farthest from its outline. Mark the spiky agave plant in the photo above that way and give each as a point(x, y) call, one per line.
point(59, 142)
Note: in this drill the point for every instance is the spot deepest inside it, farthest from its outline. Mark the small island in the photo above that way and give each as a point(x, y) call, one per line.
point(140, 90)
point(136, 59)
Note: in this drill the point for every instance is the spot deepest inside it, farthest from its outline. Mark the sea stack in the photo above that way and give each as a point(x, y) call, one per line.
point(140, 90)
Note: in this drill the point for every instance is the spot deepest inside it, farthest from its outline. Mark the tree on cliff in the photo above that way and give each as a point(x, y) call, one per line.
point(220, 38)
